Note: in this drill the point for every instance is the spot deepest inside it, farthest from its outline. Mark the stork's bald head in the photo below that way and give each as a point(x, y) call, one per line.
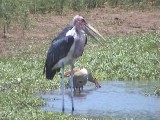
point(80, 23)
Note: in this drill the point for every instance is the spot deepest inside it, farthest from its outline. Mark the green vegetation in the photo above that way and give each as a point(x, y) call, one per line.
point(125, 58)
point(134, 3)
point(121, 58)
point(18, 11)
point(157, 92)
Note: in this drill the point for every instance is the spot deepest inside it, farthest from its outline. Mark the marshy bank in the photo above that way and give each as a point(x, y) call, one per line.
point(134, 57)
point(121, 58)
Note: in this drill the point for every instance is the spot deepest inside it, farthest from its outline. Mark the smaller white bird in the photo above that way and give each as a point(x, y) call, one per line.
point(80, 77)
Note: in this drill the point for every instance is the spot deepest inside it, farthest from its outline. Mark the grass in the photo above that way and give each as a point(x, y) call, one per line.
point(125, 58)
point(121, 58)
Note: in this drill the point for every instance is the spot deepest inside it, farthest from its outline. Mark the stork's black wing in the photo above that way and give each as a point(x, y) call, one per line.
point(63, 33)
point(58, 50)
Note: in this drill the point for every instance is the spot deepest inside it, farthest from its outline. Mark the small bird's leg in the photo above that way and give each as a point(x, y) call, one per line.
point(71, 84)
point(62, 87)
point(96, 83)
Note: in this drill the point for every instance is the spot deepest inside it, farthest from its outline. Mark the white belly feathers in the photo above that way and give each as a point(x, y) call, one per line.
point(76, 49)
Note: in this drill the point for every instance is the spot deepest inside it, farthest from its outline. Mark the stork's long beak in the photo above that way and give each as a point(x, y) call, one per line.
point(93, 32)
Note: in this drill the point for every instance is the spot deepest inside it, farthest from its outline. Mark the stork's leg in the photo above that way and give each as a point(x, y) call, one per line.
point(62, 87)
point(71, 84)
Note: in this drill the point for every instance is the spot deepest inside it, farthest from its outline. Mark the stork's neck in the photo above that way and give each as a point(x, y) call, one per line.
point(79, 30)
point(79, 41)
point(75, 31)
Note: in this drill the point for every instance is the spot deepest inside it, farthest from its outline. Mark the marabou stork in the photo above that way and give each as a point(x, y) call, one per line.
point(66, 48)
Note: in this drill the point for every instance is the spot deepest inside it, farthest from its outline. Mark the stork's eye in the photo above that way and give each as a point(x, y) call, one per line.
point(83, 20)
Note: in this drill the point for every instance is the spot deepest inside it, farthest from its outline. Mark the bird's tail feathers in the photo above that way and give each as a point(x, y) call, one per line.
point(50, 74)
point(44, 70)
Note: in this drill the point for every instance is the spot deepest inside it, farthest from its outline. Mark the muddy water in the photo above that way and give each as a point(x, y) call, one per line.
point(117, 99)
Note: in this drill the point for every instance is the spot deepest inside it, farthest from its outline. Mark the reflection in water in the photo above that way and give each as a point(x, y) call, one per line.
point(115, 99)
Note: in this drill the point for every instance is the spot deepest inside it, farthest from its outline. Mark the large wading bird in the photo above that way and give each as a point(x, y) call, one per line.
point(66, 48)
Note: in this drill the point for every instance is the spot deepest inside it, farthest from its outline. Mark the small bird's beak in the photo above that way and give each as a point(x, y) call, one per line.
point(91, 31)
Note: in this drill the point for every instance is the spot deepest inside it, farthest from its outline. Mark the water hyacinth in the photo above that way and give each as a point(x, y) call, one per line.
point(135, 57)
point(120, 58)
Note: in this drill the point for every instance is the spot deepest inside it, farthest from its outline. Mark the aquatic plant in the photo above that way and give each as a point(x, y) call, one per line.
point(121, 58)
point(125, 58)
point(157, 92)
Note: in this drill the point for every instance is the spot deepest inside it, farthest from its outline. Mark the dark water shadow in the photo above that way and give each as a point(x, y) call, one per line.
point(118, 99)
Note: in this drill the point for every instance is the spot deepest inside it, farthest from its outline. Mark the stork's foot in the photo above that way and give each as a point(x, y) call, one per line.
point(72, 109)
point(63, 109)
point(98, 86)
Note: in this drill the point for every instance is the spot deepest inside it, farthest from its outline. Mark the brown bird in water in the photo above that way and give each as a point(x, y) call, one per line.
point(80, 77)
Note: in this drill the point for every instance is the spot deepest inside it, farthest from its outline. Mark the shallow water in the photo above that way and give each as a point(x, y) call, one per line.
point(117, 99)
